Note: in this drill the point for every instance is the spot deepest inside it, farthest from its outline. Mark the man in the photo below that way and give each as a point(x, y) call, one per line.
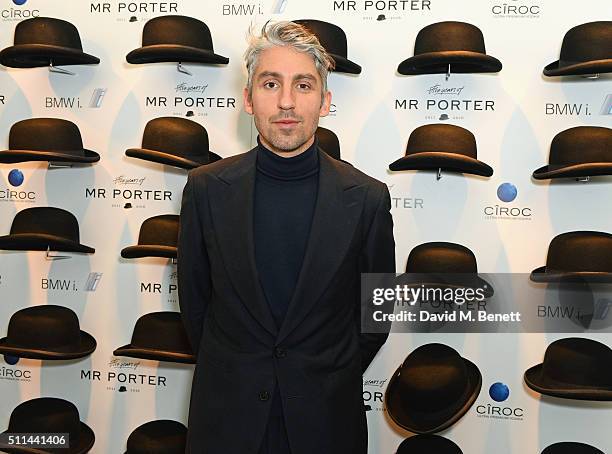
point(272, 243)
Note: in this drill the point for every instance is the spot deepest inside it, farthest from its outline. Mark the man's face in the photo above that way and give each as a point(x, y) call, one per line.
point(286, 100)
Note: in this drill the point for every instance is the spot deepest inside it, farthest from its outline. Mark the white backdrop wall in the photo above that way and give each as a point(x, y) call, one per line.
point(368, 115)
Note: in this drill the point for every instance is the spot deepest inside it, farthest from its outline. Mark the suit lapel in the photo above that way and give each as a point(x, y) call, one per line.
point(231, 202)
point(336, 215)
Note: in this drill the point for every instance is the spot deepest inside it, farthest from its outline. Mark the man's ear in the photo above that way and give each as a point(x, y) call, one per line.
point(326, 105)
point(247, 101)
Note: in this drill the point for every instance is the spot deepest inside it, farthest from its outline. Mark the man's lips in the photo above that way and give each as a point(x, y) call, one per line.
point(286, 124)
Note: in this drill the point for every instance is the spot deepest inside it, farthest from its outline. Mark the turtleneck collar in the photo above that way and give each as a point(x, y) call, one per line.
point(297, 167)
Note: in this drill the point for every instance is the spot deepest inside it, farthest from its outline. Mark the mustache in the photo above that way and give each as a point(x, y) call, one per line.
point(286, 116)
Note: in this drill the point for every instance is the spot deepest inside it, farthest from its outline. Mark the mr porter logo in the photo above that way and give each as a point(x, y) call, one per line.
point(507, 193)
point(373, 393)
point(445, 102)
point(499, 392)
point(380, 10)
point(401, 202)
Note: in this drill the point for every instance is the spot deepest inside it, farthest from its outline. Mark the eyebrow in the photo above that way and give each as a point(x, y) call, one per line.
point(276, 75)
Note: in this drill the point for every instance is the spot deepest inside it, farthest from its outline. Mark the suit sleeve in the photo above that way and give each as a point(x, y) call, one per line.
point(194, 282)
point(378, 256)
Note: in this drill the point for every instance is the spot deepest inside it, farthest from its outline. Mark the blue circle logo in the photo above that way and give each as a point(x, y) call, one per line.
point(19, 2)
point(15, 177)
point(506, 192)
point(12, 360)
point(499, 392)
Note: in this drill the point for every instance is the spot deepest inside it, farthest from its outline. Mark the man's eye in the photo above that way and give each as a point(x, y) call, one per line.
point(270, 84)
point(304, 86)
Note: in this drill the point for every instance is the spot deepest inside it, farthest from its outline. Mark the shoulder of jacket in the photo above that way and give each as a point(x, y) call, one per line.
point(216, 168)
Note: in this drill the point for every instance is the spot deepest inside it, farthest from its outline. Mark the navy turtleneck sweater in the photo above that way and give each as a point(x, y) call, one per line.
point(285, 196)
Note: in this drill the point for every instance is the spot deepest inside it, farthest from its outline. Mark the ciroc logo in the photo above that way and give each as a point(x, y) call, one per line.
point(499, 392)
point(15, 177)
point(517, 9)
point(14, 374)
point(12, 360)
point(507, 192)
point(17, 14)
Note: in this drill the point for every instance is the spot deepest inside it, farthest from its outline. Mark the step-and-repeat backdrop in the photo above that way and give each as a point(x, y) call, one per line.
point(507, 220)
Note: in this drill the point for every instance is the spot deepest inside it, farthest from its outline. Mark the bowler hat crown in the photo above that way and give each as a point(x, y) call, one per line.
point(158, 437)
point(580, 362)
point(449, 36)
point(571, 447)
point(442, 138)
point(161, 331)
point(177, 30)
point(432, 377)
point(176, 136)
point(160, 230)
point(328, 142)
point(331, 37)
point(49, 31)
point(441, 257)
point(587, 42)
point(46, 134)
point(46, 327)
point(46, 221)
point(580, 145)
point(46, 415)
point(426, 444)
point(581, 251)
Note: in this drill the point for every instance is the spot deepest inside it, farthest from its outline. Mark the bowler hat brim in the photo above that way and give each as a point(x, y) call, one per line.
point(155, 354)
point(85, 443)
point(536, 379)
point(430, 421)
point(578, 69)
point(13, 156)
point(39, 55)
point(587, 169)
point(169, 159)
point(173, 53)
point(541, 274)
point(433, 160)
point(87, 345)
point(41, 242)
point(148, 250)
point(344, 65)
point(460, 61)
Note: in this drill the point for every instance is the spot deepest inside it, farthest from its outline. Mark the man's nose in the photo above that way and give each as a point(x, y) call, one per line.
point(286, 100)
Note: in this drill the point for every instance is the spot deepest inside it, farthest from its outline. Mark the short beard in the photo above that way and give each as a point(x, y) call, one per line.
point(288, 143)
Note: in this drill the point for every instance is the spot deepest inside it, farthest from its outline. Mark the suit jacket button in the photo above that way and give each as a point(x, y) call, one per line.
point(264, 395)
point(280, 352)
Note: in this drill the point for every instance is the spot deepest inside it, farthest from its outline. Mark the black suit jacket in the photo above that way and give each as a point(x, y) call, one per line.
point(318, 355)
